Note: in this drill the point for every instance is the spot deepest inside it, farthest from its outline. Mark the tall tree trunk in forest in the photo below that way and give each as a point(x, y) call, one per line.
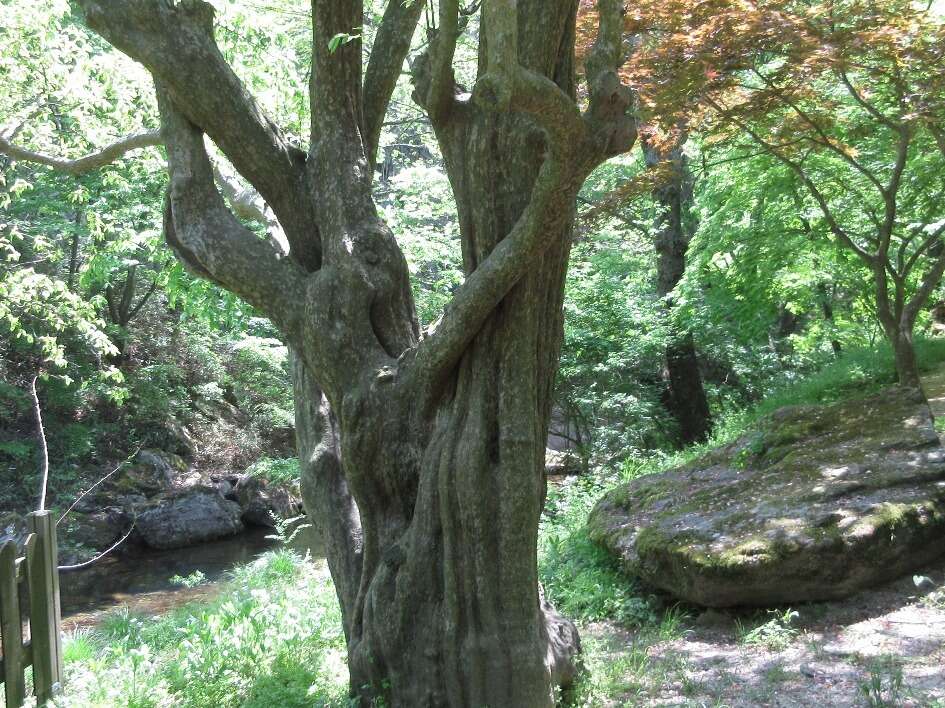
point(422, 458)
point(898, 325)
point(686, 395)
point(74, 252)
point(907, 365)
point(826, 307)
point(898, 312)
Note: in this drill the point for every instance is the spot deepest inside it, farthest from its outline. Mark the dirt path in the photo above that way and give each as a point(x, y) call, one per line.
point(882, 647)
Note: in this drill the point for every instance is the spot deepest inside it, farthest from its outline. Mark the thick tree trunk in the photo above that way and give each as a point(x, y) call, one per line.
point(685, 397)
point(907, 366)
point(459, 578)
point(897, 317)
point(439, 592)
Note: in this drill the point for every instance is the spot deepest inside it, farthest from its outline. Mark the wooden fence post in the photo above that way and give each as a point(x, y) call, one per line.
point(11, 630)
point(45, 616)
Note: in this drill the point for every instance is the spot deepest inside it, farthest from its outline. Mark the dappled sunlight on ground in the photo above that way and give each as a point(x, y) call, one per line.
point(889, 642)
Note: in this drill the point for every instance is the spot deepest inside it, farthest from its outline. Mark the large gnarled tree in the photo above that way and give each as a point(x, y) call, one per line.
point(422, 455)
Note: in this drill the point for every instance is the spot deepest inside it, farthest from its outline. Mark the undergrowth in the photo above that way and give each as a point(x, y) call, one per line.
point(272, 638)
point(586, 583)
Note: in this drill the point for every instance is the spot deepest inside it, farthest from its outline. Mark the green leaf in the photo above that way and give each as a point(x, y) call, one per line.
point(340, 39)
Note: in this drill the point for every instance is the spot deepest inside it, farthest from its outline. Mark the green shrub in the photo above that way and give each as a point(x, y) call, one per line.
point(581, 579)
point(776, 633)
point(259, 370)
point(279, 470)
point(17, 450)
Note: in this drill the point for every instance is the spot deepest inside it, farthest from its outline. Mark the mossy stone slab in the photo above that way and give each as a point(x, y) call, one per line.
point(815, 503)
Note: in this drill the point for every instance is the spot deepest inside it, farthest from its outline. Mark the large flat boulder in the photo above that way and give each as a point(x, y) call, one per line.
point(188, 517)
point(814, 504)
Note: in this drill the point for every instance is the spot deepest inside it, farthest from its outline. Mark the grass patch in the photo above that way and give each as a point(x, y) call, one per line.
point(580, 578)
point(622, 673)
point(858, 373)
point(776, 634)
point(883, 685)
point(272, 638)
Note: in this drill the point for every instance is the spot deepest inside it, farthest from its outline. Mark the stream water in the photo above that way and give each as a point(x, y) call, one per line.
point(142, 582)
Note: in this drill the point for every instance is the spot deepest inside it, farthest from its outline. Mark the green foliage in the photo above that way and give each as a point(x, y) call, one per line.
point(16, 450)
point(883, 688)
point(260, 376)
point(775, 634)
point(582, 580)
point(609, 382)
point(275, 470)
point(766, 295)
point(420, 210)
point(274, 639)
point(193, 580)
point(613, 675)
point(859, 371)
point(79, 646)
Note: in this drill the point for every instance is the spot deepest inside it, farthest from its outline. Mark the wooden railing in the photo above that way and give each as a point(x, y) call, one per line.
point(37, 569)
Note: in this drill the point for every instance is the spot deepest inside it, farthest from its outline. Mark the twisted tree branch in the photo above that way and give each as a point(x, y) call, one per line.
point(175, 42)
point(208, 236)
point(86, 163)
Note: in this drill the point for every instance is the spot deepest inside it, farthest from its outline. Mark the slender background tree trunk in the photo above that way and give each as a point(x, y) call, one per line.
point(686, 397)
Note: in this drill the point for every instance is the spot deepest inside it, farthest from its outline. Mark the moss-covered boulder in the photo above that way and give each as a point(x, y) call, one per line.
point(814, 504)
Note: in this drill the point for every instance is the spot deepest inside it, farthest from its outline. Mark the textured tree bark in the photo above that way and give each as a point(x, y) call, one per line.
point(421, 457)
point(686, 397)
point(461, 580)
point(907, 365)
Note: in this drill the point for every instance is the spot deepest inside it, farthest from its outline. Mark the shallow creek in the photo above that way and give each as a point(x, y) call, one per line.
point(141, 581)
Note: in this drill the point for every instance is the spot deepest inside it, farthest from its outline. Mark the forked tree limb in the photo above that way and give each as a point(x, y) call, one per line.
point(574, 148)
point(440, 89)
point(928, 283)
point(835, 228)
point(212, 240)
point(609, 115)
point(391, 45)
point(488, 284)
point(175, 42)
